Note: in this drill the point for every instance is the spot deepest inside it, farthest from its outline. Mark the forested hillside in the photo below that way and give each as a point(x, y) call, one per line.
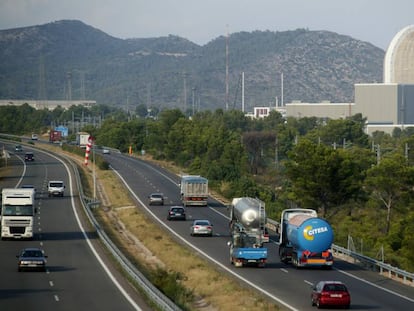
point(70, 60)
point(363, 185)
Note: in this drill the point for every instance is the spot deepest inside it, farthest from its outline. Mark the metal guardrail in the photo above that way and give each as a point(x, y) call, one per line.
point(166, 304)
point(375, 265)
point(155, 295)
point(367, 262)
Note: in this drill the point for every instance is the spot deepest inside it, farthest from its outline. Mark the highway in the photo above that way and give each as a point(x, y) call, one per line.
point(78, 276)
point(282, 283)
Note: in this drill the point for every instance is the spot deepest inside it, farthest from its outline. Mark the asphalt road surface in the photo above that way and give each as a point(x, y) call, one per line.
point(282, 283)
point(78, 276)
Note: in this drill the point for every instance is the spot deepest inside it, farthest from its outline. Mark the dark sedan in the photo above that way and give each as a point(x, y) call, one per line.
point(176, 212)
point(29, 156)
point(31, 259)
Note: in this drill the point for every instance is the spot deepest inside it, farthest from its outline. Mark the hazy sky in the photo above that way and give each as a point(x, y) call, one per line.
point(374, 21)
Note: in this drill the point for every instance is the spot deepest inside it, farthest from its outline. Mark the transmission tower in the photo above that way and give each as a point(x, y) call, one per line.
point(69, 83)
point(82, 86)
point(42, 80)
point(227, 70)
point(185, 92)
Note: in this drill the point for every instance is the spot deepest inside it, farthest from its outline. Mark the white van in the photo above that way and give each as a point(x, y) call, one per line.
point(56, 188)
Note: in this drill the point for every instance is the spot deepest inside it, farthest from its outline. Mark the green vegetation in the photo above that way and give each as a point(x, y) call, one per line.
point(362, 185)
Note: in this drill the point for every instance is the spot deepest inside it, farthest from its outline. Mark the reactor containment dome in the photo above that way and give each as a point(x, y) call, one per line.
point(399, 58)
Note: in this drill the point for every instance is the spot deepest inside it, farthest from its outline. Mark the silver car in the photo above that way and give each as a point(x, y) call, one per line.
point(156, 199)
point(201, 227)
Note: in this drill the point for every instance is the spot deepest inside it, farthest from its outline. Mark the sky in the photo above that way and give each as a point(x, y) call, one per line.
point(200, 21)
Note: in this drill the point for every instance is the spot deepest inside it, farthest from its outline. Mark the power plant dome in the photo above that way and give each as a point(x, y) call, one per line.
point(399, 58)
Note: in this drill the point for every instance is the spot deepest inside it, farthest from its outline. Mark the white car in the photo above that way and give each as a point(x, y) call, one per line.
point(201, 227)
point(106, 151)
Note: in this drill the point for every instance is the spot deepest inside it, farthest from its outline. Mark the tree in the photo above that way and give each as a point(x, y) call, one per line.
point(389, 181)
point(255, 144)
point(141, 110)
point(322, 177)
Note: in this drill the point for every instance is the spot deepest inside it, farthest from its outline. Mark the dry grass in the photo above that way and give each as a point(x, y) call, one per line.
point(211, 288)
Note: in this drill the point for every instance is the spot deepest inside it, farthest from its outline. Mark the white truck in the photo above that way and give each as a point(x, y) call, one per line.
point(82, 139)
point(194, 190)
point(56, 188)
point(247, 230)
point(17, 213)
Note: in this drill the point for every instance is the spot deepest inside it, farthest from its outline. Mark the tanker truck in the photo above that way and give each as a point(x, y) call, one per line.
point(247, 228)
point(305, 239)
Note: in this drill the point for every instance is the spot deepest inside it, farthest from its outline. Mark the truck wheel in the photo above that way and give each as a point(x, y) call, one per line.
point(282, 256)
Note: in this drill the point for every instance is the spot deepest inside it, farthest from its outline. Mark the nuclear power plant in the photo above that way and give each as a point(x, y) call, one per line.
point(386, 105)
point(399, 58)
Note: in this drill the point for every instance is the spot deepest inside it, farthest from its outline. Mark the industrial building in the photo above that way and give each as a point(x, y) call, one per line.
point(386, 105)
point(48, 104)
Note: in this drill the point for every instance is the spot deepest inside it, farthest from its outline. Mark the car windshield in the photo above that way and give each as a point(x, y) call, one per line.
point(157, 196)
point(32, 253)
point(56, 184)
point(177, 210)
point(335, 287)
point(202, 223)
point(18, 210)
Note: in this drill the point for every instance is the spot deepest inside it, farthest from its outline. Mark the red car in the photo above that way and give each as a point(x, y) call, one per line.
point(330, 293)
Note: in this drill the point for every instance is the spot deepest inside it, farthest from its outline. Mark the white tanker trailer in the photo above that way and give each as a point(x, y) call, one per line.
point(247, 230)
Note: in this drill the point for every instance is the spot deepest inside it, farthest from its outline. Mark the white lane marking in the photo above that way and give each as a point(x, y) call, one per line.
point(203, 253)
point(308, 282)
point(375, 285)
point(51, 283)
point(284, 270)
point(104, 266)
point(276, 242)
point(56, 298)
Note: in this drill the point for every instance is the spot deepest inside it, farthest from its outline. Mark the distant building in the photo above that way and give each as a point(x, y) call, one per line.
point(324, 109)
point(399, 58)
point(387, 105)
point(48, 104)
point(262, 112)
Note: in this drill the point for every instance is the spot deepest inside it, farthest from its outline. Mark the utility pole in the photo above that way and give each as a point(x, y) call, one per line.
point(406, 149)
point(276, 152)
point(82, 81)
point(69, 80)
point(227, 69)
point(243, 91)
point(281, 89)
point(193, 99)
point(185, 92)
point(42, 80)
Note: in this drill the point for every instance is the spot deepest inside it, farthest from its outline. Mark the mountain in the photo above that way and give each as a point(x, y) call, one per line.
point(69, 59)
